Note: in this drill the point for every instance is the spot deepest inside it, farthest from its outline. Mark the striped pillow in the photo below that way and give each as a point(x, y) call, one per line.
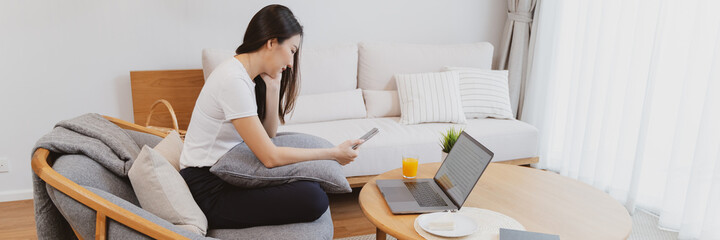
point(484, 92)
point(429, 97)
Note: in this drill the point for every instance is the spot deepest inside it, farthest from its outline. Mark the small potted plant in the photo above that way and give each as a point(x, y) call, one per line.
point(448, 139)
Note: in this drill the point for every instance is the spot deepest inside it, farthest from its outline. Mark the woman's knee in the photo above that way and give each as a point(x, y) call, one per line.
point(313, 202)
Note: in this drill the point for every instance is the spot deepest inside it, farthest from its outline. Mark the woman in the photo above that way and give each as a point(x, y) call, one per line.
point(242, 101)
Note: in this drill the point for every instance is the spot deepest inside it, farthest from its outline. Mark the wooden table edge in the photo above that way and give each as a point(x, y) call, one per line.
point(382, 228)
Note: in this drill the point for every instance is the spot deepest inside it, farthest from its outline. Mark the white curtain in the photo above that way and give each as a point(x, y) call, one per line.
point(626, 95)
point(515, 48)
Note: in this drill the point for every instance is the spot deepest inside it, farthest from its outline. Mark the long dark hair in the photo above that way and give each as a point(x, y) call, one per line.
point(274, 21)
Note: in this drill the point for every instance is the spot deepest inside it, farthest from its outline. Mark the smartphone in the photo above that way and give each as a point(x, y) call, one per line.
point(366, 137)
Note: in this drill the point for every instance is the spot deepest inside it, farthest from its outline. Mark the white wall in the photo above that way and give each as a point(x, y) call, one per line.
point(60, 59)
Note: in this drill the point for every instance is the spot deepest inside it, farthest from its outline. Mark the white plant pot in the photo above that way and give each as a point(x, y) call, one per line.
point(444, 155)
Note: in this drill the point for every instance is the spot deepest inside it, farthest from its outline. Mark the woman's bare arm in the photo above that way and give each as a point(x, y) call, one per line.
point(272, 119)
point(257, 139)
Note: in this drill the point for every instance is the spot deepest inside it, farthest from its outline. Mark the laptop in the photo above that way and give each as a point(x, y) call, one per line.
point(450, 187)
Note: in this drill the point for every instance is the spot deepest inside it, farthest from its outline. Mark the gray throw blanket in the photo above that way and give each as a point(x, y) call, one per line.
point(90, 135)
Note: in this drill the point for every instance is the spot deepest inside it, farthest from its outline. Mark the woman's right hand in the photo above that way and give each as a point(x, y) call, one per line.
point(344, 152)
point(272, 82)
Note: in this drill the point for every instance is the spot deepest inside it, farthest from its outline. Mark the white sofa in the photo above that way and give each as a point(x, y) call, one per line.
point(331, 104)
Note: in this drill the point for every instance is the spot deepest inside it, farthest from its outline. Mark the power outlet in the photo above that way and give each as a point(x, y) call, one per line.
point(4, 165)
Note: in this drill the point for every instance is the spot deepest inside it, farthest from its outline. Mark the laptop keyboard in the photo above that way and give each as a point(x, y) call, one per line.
point(424, 194)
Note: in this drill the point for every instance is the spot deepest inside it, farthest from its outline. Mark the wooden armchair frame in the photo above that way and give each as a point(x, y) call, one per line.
point(104, 208)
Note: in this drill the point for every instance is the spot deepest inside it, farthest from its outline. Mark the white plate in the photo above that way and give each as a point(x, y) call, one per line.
point(464, 225)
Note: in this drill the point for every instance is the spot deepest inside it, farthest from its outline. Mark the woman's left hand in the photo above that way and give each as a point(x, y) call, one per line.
point(272, 82)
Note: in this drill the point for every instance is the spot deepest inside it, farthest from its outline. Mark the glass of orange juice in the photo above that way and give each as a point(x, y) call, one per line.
point(409, 166)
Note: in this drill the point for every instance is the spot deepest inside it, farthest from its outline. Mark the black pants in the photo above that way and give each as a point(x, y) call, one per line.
point(228, 206)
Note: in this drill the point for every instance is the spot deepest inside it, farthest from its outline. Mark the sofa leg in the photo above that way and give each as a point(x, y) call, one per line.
point(380, 235)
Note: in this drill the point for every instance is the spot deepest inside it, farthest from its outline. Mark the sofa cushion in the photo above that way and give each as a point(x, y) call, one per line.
point(484, 92)
point(82, 218)
point(322, 70)
point(508, 139)
point(240, 167)
point(328, 69)
point(430, 97)
point(379, 62)
point(143, 139)
point(322, 228)
point(328, 107)
point(87, 172)
point(212, 58)
point(162, 191)
point(381, 103)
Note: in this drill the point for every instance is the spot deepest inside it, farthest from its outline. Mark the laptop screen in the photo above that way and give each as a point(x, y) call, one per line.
point(462, 168)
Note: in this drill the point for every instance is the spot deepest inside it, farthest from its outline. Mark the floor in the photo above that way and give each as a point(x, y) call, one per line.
point(17, 221)
point(347, 216)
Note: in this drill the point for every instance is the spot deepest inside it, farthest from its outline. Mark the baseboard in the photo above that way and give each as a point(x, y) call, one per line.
point(9, 196)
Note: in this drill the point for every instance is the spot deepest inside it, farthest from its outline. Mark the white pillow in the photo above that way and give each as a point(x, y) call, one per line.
point(382, 103)
point(162, 191)
point(322, 70)
point(430, 97)
point(171, 148)
point(327, 107)
point(484, 93)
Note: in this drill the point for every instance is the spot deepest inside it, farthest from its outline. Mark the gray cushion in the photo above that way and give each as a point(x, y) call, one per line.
point(143, 139)
point(322, 228)
point(242, 168)
point(94, 177)
point(82, 218)
point(86, 172)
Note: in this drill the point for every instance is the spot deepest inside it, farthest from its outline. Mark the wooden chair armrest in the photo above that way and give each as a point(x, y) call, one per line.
point(103, 207)
point(131, 126)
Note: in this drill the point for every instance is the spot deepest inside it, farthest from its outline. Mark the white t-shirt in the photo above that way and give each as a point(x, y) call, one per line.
point(228, 93)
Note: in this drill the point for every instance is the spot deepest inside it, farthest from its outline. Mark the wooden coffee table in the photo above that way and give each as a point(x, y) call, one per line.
point(542, 201)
